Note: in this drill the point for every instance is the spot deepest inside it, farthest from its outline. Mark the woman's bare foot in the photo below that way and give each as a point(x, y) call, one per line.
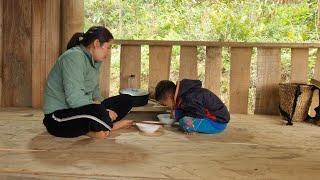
point(98, 135)
point(122, 124)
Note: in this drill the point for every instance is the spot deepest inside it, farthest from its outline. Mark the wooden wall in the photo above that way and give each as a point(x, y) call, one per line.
point(30, 43)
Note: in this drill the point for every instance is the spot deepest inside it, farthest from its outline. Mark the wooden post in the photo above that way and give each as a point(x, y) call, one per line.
point(159, 65)
point(1, 46)
point(240, 79)
point(105, 77)
point(268, 78)
point(299, 69)
point(17, 33)
point(72, 12)
point(188, 62)
point(38, 51)
point(213, 69)
point(130, 64)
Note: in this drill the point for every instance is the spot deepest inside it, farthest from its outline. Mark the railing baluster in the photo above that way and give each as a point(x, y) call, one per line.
point(299, 68)
point(213, 69)
point(268, 78)
point(130, 64)
point(159, 65)
point(240, 79)
point(188, 62)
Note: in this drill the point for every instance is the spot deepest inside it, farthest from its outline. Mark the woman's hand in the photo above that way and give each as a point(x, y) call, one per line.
point(113, 115)
point(122, 124)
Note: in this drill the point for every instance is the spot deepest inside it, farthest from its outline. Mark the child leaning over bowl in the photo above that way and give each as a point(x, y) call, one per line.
point(197, 109)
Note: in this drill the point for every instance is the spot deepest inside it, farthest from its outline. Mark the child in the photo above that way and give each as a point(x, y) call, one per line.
point(196, 108)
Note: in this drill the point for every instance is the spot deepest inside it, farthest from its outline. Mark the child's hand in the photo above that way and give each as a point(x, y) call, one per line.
point(113, 115)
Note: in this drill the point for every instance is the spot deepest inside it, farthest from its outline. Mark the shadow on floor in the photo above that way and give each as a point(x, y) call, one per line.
point(72, 151)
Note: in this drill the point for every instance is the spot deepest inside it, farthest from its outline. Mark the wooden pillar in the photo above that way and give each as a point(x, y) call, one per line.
point(45, 44)
point(1, 37)
point(17, 64)
point(130, 64)
point(299, 68)
point(72, 12)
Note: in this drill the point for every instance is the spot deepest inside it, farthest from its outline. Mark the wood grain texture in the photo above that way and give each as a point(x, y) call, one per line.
point(268, 78)
point(72, 19)
point(1, 49)
point(213, 69)
point(159, 65)
point(105, 77)
point(188, 63)
point(17, 64)
point(299, 68)
point(130, 64)
point(240, 79)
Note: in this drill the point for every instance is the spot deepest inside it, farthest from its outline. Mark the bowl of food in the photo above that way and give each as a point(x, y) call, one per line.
point(148, 127)
point(165, 119)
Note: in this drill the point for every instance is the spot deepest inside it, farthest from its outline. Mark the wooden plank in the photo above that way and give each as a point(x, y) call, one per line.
point(299, 68)
point(240, 79)
point(1, 52)
point(188, 62)
point(38, 51)
point(268, 78)
point(53, 34)
point(72, 19)
point(159, 65)
point(316, 74)
point(216, 44)
point(17, 76)
point(130, 64)
point(315, 97)
point(213, 69)
point(105, 76)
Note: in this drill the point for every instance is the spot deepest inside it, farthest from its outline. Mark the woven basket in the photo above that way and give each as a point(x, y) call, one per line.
point(287, 94)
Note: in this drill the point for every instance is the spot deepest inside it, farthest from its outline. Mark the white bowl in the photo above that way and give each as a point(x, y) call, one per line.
point(148, 128)
point(165, 119)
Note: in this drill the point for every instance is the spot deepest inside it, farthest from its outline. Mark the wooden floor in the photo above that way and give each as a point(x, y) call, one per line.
point(253, 147)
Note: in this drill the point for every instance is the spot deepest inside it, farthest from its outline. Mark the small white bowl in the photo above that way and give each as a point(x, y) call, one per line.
point(165, 119)
point(148, 128)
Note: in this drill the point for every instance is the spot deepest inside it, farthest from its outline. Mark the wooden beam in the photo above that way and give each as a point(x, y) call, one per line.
point(216, 44)
point(72, 19)
point(268, 78)
point(1, 48)
point(213, 69)
point(159, 65)
point(299, 69)
point(240, 79)
point(130, 64)
point(17, 33)
point(188, 62)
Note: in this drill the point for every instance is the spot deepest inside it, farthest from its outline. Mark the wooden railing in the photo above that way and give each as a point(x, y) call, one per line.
point(268, 68)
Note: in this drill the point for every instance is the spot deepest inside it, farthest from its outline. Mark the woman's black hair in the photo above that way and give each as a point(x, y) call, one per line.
point(95, 32)
point(163, 88)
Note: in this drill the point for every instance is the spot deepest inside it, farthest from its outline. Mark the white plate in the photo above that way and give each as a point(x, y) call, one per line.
point(148, 128)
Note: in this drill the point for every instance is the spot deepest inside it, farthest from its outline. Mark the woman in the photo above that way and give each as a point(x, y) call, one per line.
point(72, 90)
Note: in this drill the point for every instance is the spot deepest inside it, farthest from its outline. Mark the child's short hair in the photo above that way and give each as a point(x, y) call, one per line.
point(163, 88)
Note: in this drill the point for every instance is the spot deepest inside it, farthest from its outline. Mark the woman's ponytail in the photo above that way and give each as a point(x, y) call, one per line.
point(75, 40)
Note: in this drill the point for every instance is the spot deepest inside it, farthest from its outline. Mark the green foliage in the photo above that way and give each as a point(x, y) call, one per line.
point(206, 20)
